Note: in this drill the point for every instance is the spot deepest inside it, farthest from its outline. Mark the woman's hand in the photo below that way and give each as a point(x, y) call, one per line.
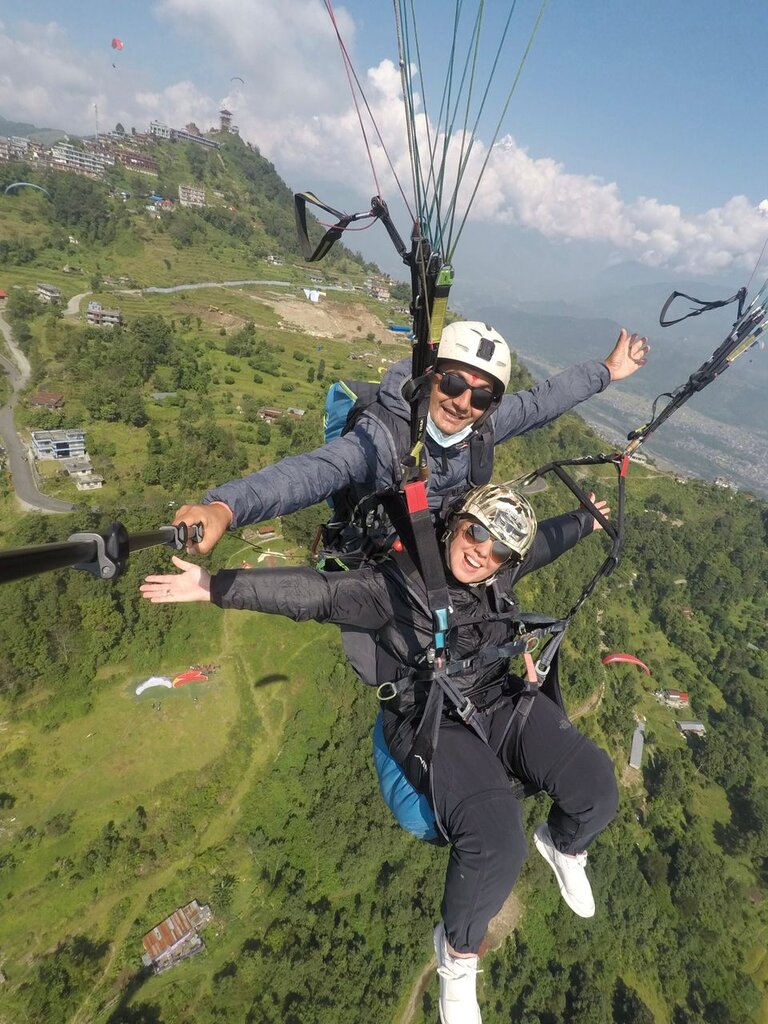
point(193, 583)
point(602, 507)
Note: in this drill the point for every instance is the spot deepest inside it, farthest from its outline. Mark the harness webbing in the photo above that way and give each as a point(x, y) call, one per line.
point(746, 330)
point(314, 253)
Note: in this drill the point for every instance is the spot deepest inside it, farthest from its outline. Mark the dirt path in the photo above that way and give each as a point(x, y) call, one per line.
point(592, 703)
point(73, 306)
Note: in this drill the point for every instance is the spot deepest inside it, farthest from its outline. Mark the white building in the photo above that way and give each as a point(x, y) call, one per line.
point(87, 481)
point(48, 293)
point(184, 135)
point(159, 130)
point(69, 157)
point(19, 147)
point(58, 444)
point(100, 316)
point(675, 698)
point(191, 196)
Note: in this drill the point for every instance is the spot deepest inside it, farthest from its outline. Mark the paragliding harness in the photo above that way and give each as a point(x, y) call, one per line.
point(407, 511)
point(749, 325)
point(430, 691)
point(360, 529)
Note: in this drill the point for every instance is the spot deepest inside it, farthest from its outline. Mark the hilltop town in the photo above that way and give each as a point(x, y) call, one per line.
point(93, 156)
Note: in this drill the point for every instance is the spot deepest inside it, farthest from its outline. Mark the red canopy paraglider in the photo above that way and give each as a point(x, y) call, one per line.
point(610, 659)
point(117, 44)
point(193, 676)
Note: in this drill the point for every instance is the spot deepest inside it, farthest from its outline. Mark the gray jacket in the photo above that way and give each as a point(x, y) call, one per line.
point(368, 454)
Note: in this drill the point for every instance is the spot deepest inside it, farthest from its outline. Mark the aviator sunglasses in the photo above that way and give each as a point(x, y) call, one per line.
point(479, 534)
point(453, 385)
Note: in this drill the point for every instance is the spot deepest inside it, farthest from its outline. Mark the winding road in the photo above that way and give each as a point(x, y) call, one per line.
point(22, 475)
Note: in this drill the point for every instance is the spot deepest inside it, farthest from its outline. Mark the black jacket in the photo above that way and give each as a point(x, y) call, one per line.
point(385, 608)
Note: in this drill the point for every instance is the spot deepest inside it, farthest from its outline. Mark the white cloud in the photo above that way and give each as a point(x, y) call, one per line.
point(295, 105)
point(39, 74)
point(177, 104)
point(285, 50)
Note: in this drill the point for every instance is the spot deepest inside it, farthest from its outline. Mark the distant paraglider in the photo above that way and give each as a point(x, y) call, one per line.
point(117, 44)
point(237, 78)
point(611, 659)
point(26, 184)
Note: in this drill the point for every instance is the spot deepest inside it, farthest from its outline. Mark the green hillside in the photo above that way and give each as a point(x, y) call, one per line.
point(248, 216)
point(254, 792)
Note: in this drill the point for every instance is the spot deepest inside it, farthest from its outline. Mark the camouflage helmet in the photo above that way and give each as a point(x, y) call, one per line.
point(506, 514)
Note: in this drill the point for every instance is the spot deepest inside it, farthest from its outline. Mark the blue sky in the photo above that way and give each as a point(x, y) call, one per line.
point(635, 128)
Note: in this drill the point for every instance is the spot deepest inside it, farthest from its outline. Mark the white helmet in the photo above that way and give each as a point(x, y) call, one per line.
point(477, 345)
point(506, 515)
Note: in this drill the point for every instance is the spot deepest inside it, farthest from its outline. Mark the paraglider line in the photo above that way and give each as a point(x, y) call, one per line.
point(349, 67)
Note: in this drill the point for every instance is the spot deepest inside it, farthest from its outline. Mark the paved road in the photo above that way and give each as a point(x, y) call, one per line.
point(210, 284)
point(21, 472)
point(73, 306)
point(230, 284)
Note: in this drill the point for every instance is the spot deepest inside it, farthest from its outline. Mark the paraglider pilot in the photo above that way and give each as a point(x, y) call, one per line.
point(468, 415)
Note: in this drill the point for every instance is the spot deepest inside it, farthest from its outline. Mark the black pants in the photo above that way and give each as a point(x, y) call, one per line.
point(482, 816)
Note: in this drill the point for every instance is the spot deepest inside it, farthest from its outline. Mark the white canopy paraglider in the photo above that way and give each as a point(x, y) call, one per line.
point(154, 681)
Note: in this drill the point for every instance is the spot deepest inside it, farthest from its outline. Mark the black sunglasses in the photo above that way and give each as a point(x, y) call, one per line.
point(453, 385)
point(499, 551)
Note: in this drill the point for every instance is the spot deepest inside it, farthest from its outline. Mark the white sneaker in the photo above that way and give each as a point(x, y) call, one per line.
point(569, 872)
point(458, 979)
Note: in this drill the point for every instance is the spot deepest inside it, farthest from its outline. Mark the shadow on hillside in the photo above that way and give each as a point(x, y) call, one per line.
point(268, 680)
point(140, 1013)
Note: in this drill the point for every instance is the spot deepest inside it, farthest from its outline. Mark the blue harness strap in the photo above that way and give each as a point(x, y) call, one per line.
point(411, 809)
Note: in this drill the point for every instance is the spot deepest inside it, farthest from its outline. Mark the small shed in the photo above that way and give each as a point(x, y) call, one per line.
point(696, 728)
point(638, 743)
point(176, 938)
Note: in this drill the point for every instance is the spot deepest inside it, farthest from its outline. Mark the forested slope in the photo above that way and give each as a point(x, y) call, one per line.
point(255, 791)
point(322, 909)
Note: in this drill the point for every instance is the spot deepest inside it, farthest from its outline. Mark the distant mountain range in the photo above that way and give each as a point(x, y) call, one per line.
point(47, 136)
point(721, 432)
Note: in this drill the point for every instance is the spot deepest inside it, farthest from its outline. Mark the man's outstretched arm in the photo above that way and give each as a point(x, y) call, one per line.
point(366, 456)
point(527, 410)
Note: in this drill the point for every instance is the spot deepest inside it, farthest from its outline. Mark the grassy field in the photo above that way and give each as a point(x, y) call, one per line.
point(158, 750)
